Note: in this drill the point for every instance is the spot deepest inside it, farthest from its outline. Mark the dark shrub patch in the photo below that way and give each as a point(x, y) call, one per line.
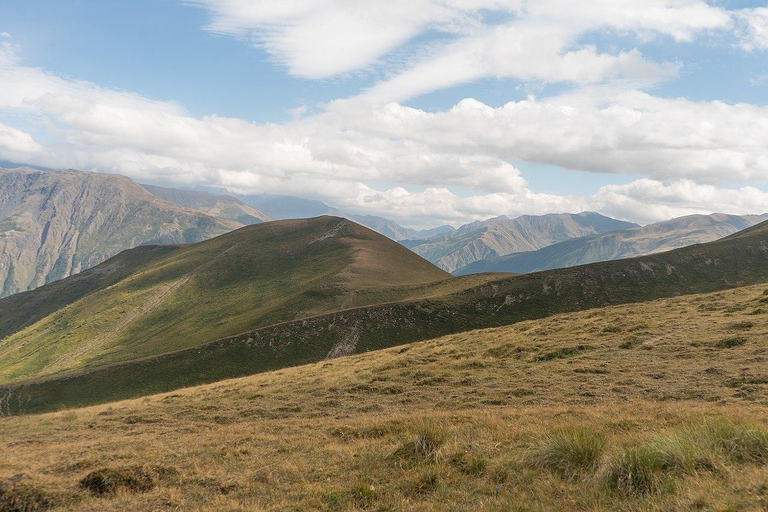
point(109, 480)
point(734, 341)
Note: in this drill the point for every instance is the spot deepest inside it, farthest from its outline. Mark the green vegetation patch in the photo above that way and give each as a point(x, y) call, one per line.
point(733, 341)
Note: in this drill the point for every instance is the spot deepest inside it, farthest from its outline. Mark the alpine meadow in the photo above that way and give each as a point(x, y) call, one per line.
point(422, 255)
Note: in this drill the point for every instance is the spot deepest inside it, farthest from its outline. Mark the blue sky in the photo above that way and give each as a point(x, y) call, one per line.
point(636, 110)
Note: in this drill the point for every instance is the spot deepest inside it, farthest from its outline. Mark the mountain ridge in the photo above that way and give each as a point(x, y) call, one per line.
point(57, 223)
point(640, 241)
point(502, 235)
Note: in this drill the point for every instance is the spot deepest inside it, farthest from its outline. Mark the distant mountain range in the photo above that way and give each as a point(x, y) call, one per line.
point(55, 224)
point(628, 243)
point(216, 205)
point(291, 207)
point(501, 236)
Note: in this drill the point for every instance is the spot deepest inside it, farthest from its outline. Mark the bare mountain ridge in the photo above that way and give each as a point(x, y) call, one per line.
point(54, 224)
point(629, 243)
point(218, 205)
point(501, 236)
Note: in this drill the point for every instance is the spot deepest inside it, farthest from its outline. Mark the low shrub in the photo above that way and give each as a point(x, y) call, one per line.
point(731, 342)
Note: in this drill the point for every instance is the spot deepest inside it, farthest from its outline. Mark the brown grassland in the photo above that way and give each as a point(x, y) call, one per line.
point(654, 406)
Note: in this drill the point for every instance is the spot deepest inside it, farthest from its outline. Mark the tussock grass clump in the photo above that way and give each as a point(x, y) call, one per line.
point(345, 433)
point(731, 342)
point(562, 353)
point(572, 452)
point(468, 464)
point(425, 483)
point(630, 343)
point(612, 329)
point(430, 437)
point(22, 496)
point(739, 443)
point(110, 480)
point(650, 468)
point(742, 326)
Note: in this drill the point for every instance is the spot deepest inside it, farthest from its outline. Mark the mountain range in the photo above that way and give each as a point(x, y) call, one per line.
point(627, 243)
point(217, 205)
point(55, 224)
point(501, 235)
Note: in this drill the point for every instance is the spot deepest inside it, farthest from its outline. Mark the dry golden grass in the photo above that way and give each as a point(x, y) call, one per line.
point(642, 407)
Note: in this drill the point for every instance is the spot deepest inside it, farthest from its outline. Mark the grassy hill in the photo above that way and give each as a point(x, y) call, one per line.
point(252, 277)
point(627, 243)
point(456, 305)
point(653, 406)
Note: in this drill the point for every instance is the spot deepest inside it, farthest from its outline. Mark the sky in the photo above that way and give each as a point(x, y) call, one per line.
point(423, 111)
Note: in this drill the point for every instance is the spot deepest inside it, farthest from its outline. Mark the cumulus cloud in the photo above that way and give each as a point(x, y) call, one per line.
point(692, 153)
point(16, 143)
point(650, 201)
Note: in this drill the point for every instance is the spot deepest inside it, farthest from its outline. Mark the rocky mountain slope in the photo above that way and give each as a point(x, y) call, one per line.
point(217, 205)
point(501, 236)
point(55, 224)
point(650, 239)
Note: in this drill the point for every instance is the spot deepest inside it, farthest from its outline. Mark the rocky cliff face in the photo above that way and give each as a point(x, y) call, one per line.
point(55, 224)
point(501, 236)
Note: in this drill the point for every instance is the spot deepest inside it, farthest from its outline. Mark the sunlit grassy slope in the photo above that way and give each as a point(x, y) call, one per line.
point(255, 276)
point(655, 406)
point(446, 307)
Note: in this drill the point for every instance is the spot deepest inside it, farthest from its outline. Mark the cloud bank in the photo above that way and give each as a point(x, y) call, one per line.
point(450, 165)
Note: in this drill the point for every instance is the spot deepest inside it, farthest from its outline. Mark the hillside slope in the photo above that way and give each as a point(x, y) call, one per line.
point(251, 277)
point(55, 224)
point(640, 241)
point(501, 236)
point(217, 205)
point(735, 261)
point(634, 408)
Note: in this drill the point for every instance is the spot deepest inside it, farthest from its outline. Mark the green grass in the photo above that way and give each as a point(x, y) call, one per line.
point(246, 279)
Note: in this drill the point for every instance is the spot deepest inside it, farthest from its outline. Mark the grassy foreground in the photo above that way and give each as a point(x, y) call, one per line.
point(653, 406)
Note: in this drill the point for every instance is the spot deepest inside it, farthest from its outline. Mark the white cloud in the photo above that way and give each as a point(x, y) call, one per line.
point(5, 35)
point(15, 143)
point(322, 38)
point(540, 40)
point(651, 201)
point(754, 28)
point(691, 152)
